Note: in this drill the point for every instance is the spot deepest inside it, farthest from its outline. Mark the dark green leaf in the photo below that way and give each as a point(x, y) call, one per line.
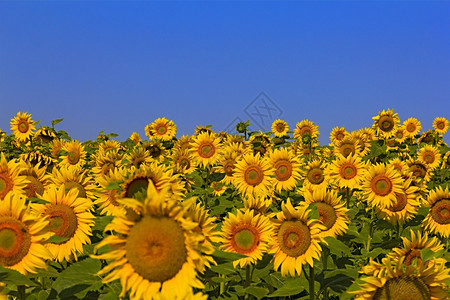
point(114, 185)
point(57, 121)
point(227, 256)
point(10, 276)
point(58, 239)
point(258, 292)
point(81, 274)
point(337, 247)
point(291, 286)
point(427, 254)
point(216, 176)
point(224, 269)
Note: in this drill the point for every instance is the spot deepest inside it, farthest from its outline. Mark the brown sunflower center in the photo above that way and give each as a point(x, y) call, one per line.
point(283, 170)
point(399, 135)
point(304, 130)
point(253, 175)
point(315, 175)
point(440, 125)
point(280, 127)
point(381, 185)
point(386, 123)
point(229, 168)
point(156, 249)
point(6, 185)
point(346, 149)
point(339, 136)
point(184, 162)
point(411, 255)
point(161, 129)
point(440, 211)
point(138, 184)
point(411, 127)
point(348, 171)
point(75, 185)
point(429, 157)
point(206, 150)
point(327, 214)
point(402, 288)
point(23, 126)
point(63, 220)
point(400, 203)
point(418, 170)
point(245, 239)
point(34, 187)
point(15, 241)
point(73, 157)
point(294, 238)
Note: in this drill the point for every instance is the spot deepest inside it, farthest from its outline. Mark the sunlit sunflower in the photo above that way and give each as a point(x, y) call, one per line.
point(246, 233)
point(106, 162)
point(38, 179)
point(259, 205)
point(206, 149)
point(305, 127)
point(430, 156)
point(314, 174)
point(367, 134)
point(37, 157)
point(44, 135)
point(107, 196)
point(347, 172)
point(404, 208)
point(385, 123)
point(155, 149)
point(338, 134)
point(261, 143)
point(70, 218)
point(135, 137)
point(10, 178)
point(137, 156)
point(438, 219)
point(162, 129)
point(361, 142)
point(218, 187)
point(380, 185)
point(279, 128)
point(446, 160)
point(400, 134)
point(399, 165)
point(295, 239)
point(440, 125)
point(253, 176)
point(412, 127)
point(155, 252)
point(74, 178)
point(55, 147)
point(2, 135)
point(227, 164)
point(22, 236)
point(22, 126)
point(182, 161)
point(332, 211)
point(75, 156)
point(397, 281)
point(287, 169)
point(419, 169)
point(347, 146)
point(110, 145)
point(183, 143)
point(203, 129)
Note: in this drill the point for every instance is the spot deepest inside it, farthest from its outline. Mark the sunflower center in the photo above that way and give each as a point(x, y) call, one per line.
point(229, 168)
point(206, 150)
point(440, 211)
point(315, 176)
point(283, 170)
point(346, 149)
point(400, 203)
point(156, 249)
point(245, 239)
point(294, 238)
point(184, 163)
point(418, 170)
point(6, 185)
point(280, 127)
point(386, 123)
point(23, 126)
point(15, 241)
point(34, 187)
point(402, 288)
point(399, 135)
point(63, 220)
point(161, 129)
point(339, 136)
point(138, 184)
point(440, 125)
point(412, 254)
point(429, 157)
point(154, 151)
point(348, 171)
point(73, 157)
point(327, 214)
point(381, 185)
point(75, 185)
point(411, 128)
point(253, 175)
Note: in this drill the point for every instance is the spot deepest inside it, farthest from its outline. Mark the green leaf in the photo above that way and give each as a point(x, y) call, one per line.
point(58, 239)
point(258, 292)
point(217, 176)
point(291, 286)
point(10, 276)
point(224, 269)
point(57, 121)
point(101, 222)
point(314, 212)
point(227, 256)
point(337, 247)
point(427, 254)
point(37, 200)
point(114, 185)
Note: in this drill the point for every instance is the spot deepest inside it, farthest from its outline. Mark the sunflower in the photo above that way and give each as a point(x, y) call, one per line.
point(183, 143)
point(306, 127)
point(206, 149)
point(287, 169)
point(446, 160)
point(314, 174)
point(338, 134)
point(347, 172)
point(74, 178)
point(38, 179)
point(203, 129)
point(404, 208)
point(397, 281)
point(22, 126)
point(279, 128)
point(162, 129)
point(55, 147)
point(2, 135)
point(182, 161)
point(440, 125)
point(261, 143)
point(218, 187)
point(44, 135)
point(227, 164)
point(75, 156)
point(252, 175)
point(37, 157)
point(137, 156)
point(155, 149)
point(380, 184)
point(430, 156)
point(367, 134)
point(248, 234)
point(400, 134)
point(347, 146)
point(419, 169)
point(110, 145)
point(296, 239)
point(10, 178)
point(412, 127)
point(361, 142)
point(399, 165)
point(438, 219)
point(22, 236)
point(106, 162)
point(70, 218)
point(259, 205)
point(155, 252)
point(385, 123)
point(428, 137)
point(332, 213)
point(136, 138)
point(107, 197)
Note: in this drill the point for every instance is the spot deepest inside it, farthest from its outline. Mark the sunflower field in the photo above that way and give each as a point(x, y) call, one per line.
point(253, 215)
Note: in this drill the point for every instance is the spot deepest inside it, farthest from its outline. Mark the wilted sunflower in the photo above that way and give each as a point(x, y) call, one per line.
point(296, 239)
point(206, 149)
point(412, 127)
point(38, 179)
point(438, 219)
point(347, 172)
point(306, 127)
point(22, 236)
point(338, 134)
point(287, 169)
point(70, 218)
point(252, 176)
point(75, 156)
point(440, 125)
point(10, 178)
point(380, 185)
point(182, 161)
point(430, 156)
point(314, 174)
point(332, 211)
point(246, 233)
point(279, 128)
point(155, 252)
point(74, 178)
point(162, 129)
point(385, 123)
point(22, 126)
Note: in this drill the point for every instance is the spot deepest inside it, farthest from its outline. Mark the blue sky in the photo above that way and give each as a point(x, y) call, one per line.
point(118, 65)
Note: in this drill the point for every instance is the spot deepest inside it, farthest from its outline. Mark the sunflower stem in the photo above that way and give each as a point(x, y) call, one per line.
point(311, 283)
point(347, 191)
point(369, 239)
point(21, 292)
point(247, 276)
point(325, 252)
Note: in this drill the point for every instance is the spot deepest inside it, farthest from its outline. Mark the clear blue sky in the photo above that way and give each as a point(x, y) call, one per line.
point(118, 65)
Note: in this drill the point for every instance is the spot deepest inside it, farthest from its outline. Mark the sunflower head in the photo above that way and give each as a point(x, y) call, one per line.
point(438, 218)
point(22, 126)
point(440, 125)
point(279, 128)
point(385, 123)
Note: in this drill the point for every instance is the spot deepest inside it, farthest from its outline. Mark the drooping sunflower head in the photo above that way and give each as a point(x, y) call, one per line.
point(419, 170)
point(10, 178)
point(338, 134)
point(22, 126)
point(107, 197)
point(261, 143)
point(440, 125)
point(259, 205)
point(206, 149)
point(438, 219)
point(430, 156)
point(162, 129)
point(45, 135)
point(287, 169)
point(279, 128)
point(203, 129)
point(428, 137)
point(385, 123)
point(156, 150)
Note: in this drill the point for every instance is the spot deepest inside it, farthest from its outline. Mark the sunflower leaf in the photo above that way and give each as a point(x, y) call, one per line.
point(54, 122)
point(58, 239)
point(291, 286)
point(81, 274)
point(314, 212)
point(10, 276)
point(427, 254)
point(337, 247)
point(258, 292)
point(227, 256)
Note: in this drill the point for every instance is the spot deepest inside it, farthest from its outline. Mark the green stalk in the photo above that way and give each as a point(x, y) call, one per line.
point(370, 232)
point(311, 283)
point(21, 292)
point(325, 252)
point(247, 276)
